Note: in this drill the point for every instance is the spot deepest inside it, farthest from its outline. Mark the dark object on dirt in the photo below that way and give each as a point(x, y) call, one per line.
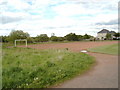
point(66, 48)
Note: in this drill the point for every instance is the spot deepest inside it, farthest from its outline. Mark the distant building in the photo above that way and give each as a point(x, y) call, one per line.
point(101, 35)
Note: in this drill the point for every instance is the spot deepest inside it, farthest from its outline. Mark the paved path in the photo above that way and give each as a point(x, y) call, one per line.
point(103, 75)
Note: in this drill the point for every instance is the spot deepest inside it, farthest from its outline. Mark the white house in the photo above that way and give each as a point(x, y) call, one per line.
point(101, 35)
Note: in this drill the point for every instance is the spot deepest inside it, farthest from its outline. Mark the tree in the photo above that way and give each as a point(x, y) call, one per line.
point(60, 38)
point(42, 38)
point(108, 36)
point(71, 37)
point(80, 37)
point(52, 34)
point(117, 35)
point(18, 34)
point(30, 40)
point(4, 38)
point(54, 38)
point(86, 36)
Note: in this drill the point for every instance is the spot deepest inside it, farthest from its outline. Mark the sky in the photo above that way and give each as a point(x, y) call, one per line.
point(58, 16)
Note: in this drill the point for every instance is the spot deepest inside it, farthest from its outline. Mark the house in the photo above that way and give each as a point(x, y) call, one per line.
point(101, 35)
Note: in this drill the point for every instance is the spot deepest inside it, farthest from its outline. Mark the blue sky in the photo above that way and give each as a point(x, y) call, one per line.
point(58, 16)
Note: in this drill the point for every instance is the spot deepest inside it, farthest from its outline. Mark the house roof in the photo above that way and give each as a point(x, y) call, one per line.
point(112, 32)
point(104, 31)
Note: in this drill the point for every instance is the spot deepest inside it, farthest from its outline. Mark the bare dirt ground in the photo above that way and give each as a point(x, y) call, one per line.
point(103, 75)
point(73, 46)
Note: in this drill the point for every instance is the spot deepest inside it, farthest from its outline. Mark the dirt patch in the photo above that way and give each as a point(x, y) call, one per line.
point(73, 46)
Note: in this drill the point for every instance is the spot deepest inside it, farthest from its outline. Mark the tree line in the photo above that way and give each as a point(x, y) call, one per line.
point(19, 34)
point(110, 36)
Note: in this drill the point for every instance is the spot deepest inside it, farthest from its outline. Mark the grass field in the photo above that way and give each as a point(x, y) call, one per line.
point(31, 68)
point(107, 49)
point(0, 65)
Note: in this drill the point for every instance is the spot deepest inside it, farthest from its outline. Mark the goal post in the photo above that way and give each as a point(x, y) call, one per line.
point(24, 40)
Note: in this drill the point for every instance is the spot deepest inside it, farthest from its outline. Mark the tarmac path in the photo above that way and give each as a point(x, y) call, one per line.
point(103, 75)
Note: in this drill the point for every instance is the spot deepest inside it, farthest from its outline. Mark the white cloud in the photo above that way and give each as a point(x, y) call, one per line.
point(69, 9)
point(18, 4)
point(14, 14)
point(105, 17)
point(59, 16)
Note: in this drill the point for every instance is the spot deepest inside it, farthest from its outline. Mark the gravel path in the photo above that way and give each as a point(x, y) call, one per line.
point(103, 75)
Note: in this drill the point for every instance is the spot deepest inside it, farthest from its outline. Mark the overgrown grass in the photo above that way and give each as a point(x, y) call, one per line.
point(107, 49)
point(0, 65)
point(31, 68)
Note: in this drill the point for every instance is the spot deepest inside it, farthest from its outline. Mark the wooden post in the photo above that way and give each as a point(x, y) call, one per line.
point(26, 43)
point(15, 43)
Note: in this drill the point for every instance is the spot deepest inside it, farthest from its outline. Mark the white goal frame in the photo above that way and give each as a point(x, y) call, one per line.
point(20, 40)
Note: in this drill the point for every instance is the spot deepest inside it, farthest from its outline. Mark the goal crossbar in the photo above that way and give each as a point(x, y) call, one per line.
point(21, 40)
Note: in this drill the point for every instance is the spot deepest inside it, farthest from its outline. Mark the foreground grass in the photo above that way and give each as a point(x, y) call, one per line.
point(31, 68)
point(0, 65)
point(107, 49)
